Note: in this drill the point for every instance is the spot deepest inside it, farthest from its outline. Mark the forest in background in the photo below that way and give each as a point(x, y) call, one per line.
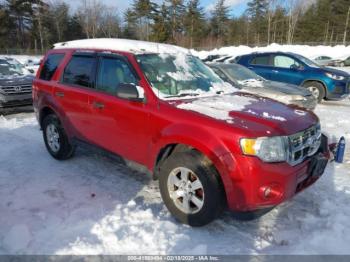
point(33, 26)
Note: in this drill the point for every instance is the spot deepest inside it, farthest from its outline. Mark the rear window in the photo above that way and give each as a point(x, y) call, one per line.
point(80, 71)
point(261, 60)
point(50, 66)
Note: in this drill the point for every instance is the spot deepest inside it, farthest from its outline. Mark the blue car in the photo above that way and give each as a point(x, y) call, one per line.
point(324, 83)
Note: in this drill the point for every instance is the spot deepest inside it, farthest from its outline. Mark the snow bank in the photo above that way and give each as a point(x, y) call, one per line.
point(338, 51)
point(94, 204)
point(122, 45)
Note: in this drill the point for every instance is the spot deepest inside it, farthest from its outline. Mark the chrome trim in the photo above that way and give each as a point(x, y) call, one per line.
point(304, 144)
point(16, 89)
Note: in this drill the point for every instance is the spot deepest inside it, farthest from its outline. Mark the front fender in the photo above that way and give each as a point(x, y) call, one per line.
point(203, 141)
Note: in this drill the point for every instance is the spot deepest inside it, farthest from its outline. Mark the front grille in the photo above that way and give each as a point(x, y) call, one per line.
point(14, 90)
point(304, 144)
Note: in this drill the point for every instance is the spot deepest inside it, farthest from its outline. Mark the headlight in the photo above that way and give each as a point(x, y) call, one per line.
point(268, 149)
point(335, 77)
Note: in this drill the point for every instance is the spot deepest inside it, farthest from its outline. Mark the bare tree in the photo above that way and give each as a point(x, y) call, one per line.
point(110, 23)
point(294, 10)
point(346, 26)
point(90, 14)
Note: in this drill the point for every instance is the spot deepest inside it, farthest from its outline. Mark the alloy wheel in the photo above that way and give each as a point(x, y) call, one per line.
point(53, 138)
point(186, 190)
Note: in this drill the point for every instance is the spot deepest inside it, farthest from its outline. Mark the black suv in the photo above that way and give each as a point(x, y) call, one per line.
point(15, 84)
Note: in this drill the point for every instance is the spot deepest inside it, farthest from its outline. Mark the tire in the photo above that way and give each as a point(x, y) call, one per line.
point(317, 89)
point(193, 166)
point(58, 145)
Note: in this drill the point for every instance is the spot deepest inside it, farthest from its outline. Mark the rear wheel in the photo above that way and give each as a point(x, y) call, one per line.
point(191, 189)
point(56, 140)
point(316, 89)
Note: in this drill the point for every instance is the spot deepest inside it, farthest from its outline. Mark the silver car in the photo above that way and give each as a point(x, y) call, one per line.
point(247, 80)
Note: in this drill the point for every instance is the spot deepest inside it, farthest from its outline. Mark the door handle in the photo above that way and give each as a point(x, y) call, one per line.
point(98, 105)
point(59, 94)
point(275, 71)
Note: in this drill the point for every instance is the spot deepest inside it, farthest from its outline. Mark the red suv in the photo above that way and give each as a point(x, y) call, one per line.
point(209, 145)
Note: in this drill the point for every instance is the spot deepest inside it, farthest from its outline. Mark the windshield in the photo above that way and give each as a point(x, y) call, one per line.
point(10, 68)
point(307, 61)
point(241, 73)
point(180, 75)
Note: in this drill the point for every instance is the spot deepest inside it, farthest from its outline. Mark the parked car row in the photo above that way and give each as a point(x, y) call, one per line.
point(248, 81)
point(293, 69)
point(210, 145)
point(15, 84)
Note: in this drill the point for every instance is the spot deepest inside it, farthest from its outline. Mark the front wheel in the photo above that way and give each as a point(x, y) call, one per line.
point(191, 189)
point(55, 138)
point(316, 89)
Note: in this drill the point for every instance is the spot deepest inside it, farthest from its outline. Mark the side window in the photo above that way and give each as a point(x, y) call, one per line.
point(284, 61)
point(261, 60)
point(50, 66)
point(80, 71)
point(111, 73)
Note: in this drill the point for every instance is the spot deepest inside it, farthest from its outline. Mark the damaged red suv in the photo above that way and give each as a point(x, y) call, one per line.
point(210, 146)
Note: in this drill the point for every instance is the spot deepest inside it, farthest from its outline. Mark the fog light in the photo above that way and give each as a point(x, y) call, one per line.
point(270, 192)
point(267, 192)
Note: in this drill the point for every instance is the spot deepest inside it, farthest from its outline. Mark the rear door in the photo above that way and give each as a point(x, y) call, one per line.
point(72, 92)
point(119, 125)
point(287, 69)
point(261, 64)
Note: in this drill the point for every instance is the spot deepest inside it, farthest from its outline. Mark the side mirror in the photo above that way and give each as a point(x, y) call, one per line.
point(129, 92)
point(296, 67)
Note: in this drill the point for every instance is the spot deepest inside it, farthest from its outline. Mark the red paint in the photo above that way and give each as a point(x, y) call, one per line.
point(138, 131)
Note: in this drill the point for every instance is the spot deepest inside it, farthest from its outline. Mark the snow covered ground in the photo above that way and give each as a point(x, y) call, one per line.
point(94, 204)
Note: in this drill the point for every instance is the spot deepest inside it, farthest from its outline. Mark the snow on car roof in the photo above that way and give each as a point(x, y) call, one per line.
point(122, 45)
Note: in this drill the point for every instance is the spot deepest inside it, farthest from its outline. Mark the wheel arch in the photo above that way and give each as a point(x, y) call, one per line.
point(214, 151)
point(318, 81)
point(45, 111)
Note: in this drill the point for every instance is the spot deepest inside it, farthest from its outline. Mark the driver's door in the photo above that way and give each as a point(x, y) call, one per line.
point(286, 69)
point(118, 125)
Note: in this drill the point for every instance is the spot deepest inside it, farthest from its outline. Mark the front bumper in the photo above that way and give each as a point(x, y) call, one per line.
point(339, 90)
point(15, 100)
point(252, 179)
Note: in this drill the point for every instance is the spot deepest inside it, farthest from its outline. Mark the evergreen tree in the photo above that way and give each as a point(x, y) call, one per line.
point(194, 22)
point(219, 21)
point(257, 11)
point(176, 10)
point(161, 30)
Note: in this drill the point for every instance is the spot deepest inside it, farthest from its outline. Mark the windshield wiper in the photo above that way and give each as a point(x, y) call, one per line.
point(183, 95)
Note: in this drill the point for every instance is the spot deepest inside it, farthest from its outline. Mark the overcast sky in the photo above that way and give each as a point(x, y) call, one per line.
point(237, 6)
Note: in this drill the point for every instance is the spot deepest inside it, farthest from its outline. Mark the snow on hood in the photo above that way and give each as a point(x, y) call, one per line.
point(247, 110)
point(251, 83)
point(122, 45)
point(218, 107)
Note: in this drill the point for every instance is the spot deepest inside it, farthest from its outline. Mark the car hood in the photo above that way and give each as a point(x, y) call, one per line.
point(16, 80)
point(335, 71)
point(275, 88)
point(252, 113)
